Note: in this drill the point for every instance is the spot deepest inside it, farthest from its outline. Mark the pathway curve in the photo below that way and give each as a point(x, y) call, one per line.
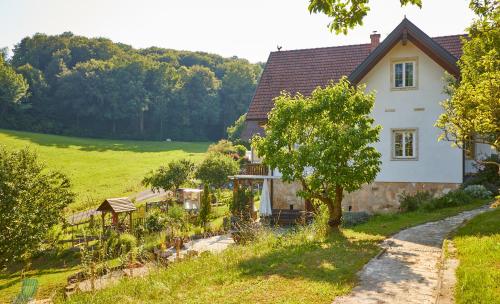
point(408, 270)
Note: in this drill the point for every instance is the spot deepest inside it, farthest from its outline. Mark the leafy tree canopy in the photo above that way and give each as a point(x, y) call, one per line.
point(170, 177)
point(347, 14)
point(234, 131)
point(472, 113)
point(95, 87)
point(215, 169)
point(12, 86)
point(323, 142)
point(32, 201)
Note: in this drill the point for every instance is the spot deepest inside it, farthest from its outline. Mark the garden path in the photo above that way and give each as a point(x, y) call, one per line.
point(408, 269)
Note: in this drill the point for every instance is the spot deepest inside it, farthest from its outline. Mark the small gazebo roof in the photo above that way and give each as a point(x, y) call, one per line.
point(116, 205)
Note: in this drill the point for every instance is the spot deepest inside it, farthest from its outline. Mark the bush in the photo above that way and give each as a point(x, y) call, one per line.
point(240, 150)
point(487, 176)
point(155, 222)
point(354, 218)
point(126, 243)
point(451, 199)
point(412, 202)
point(478, 191)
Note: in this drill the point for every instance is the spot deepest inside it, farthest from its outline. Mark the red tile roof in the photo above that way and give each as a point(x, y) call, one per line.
point(304, 70)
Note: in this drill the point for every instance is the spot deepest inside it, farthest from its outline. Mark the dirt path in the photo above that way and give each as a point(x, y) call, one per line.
point(408, 270)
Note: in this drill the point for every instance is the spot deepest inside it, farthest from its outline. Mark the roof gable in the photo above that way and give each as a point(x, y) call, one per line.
point(116, 205)
point(304, 70)
point(407, 30)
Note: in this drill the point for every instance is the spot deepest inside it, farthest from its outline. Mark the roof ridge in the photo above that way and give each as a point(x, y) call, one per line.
point(455, 35)
point(321, 47)
point(351, 45)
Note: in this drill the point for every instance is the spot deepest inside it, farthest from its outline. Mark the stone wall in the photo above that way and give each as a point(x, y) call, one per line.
point(384, 196)
point(375, 197)
point(284, 195)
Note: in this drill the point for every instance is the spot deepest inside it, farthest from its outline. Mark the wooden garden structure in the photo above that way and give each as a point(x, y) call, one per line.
point(116, 206)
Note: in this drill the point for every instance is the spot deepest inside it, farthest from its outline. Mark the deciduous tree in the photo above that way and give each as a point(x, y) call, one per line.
point(472, 113)
point(215, 169)
point(324, 142)
point(170, 177)
point(32, 200)
point(347, 14)
point(13, 86)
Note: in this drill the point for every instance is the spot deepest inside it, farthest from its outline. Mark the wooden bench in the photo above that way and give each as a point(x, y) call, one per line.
point(28, 291)
point(284, 217)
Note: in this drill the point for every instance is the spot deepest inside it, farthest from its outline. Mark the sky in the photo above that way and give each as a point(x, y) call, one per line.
point(245, 28)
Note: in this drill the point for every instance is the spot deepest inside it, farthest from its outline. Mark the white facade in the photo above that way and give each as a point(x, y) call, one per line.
point(415, 109)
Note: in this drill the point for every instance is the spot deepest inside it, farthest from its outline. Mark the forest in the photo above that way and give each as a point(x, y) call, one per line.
point(73, 85)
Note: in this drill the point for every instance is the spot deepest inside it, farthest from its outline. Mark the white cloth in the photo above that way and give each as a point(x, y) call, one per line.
point(265, 200)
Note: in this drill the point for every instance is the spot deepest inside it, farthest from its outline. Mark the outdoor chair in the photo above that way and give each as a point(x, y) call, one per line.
point(28, 291)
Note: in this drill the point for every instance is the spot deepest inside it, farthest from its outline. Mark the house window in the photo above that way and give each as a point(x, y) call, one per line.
point(404, 74)
point(404, 144)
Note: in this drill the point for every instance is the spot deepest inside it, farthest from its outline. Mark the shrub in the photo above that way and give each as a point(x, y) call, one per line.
point(478, 191)
point(486, 175)
point(412, 202)
point(205, 207)
point(240, 150)
point(155, 222)
point(126, 243)
point(451, 199)
point(354, 218)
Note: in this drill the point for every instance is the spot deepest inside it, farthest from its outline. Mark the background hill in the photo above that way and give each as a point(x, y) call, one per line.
point(101, 168)
point(98, 88)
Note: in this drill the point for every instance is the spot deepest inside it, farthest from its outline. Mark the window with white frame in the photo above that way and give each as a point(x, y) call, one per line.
point(404, 74)
point(404, 144)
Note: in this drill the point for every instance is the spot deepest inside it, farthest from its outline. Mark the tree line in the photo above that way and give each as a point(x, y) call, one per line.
point(74, 85)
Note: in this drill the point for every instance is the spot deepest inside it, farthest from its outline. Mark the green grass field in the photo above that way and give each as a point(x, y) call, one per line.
point(478, 249)
point(100, 168)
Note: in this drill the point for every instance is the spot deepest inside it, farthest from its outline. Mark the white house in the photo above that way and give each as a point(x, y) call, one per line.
point(406, 70)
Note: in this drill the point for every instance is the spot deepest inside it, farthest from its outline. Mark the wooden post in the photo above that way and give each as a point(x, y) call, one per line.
point(130, 219)
point(103, 221)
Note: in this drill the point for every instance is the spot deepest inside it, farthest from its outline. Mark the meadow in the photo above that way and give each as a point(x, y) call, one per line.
point(101, 168)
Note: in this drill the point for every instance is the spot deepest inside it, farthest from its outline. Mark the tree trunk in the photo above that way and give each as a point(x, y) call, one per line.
point(334, 208)
point(161, 128)
point(141, 122)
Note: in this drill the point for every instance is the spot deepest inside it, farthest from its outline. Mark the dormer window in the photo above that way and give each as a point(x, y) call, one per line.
point(404, 74)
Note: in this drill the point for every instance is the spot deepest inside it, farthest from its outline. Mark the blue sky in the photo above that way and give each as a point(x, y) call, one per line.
point(247, 29)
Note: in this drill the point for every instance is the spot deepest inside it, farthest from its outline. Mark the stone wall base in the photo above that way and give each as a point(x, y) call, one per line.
point(375, 197)
point(285, 194)
point(384, 196)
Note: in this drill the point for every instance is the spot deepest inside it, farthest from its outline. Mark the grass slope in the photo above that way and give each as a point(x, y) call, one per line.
point(101, 168)
point(478, 249)
point(297, 268)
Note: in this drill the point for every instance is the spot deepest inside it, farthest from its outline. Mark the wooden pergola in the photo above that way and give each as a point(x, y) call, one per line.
point(116, 206)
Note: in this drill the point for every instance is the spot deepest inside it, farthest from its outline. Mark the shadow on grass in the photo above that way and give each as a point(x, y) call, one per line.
point(102, 145)
point(336, 260)
point(43, 265)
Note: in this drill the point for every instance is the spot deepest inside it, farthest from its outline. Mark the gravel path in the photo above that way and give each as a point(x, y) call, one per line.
point(408, 270)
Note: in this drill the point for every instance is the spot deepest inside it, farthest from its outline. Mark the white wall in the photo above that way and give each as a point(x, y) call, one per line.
point(482, 151)
point(437, 161)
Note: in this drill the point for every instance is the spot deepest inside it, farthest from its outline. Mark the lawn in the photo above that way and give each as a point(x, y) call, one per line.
point(101, 168)
point(478, 249)
point(300, 267)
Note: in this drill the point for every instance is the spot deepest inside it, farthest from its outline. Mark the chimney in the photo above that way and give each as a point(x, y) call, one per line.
point(375, 40)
